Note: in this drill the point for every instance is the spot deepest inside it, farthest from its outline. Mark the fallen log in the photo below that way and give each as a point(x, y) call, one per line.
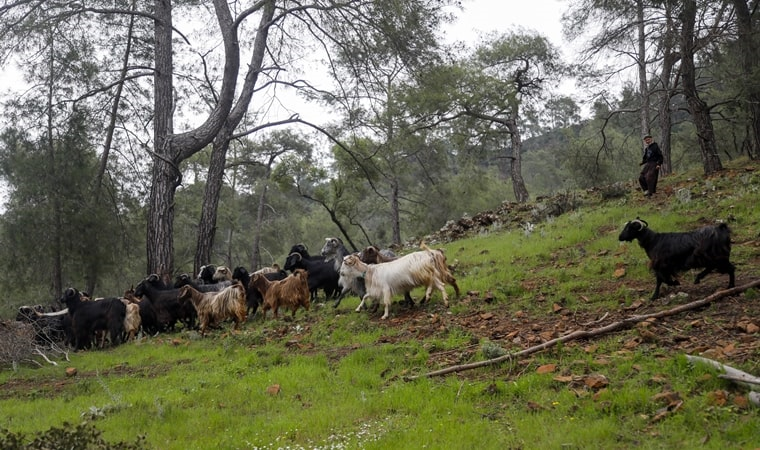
point(737, 376)
point(626, 323)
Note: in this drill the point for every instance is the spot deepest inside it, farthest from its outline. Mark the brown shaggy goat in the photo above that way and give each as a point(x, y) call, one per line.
point(214, 307)
point(291, 292)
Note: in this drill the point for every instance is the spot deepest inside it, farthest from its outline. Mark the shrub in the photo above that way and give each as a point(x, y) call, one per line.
point(81, 437)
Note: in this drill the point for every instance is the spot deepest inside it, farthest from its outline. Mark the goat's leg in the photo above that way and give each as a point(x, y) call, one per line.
point(275, 308)
point(702, 274)
point(731, 279)
point(667, 278)
point(453, 281)
point(656, 292)
point(343, 293)
point(408, 300)
point(361, 304)
point(725, 267)
point(428, 293)
point(387, 303)
point(442, 287)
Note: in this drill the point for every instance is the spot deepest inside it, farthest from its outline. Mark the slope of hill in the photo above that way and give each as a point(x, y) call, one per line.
point(543, 286)
point(689, 199)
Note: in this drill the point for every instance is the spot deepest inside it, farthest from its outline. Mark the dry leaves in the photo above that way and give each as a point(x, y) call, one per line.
point(546, 368)
point(593, 382)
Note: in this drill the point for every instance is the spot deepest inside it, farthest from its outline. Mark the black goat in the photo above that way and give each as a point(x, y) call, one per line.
point(163, 309)
point(670, 253)
point(321, 274)
point(96, 316)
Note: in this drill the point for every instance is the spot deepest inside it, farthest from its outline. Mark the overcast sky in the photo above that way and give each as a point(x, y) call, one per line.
point(483, 16)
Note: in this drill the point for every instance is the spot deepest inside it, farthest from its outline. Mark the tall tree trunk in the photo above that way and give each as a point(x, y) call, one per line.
point(209, 210)
point(515, 166)
point(165, 176)
point(256, 246)
point(665, 119)
point(215, 179)
point(749, 59)
point(171, 149)
point(57, 275)
point(641, 61)
point(667, 88)
point(698, 109)
point(395, 212)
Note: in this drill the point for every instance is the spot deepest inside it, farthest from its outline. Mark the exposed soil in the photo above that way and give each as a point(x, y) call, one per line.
point(727, 330)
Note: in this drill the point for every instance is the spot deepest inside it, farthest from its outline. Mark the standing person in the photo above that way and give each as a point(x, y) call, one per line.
point(651, 161)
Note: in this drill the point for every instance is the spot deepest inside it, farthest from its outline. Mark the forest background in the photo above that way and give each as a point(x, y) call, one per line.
point(145, 142)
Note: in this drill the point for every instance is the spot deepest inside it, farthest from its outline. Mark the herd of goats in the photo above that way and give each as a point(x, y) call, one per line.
point(219, 294)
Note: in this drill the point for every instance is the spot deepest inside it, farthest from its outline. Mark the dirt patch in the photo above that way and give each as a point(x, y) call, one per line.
point(727, 330)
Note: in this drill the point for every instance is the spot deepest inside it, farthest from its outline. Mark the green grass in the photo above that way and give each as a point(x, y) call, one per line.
point(341, 374)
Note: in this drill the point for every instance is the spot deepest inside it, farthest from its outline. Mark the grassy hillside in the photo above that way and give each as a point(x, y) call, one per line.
point(334, 378)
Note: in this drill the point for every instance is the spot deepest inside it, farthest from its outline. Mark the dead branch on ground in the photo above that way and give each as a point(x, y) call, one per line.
point(626, 323)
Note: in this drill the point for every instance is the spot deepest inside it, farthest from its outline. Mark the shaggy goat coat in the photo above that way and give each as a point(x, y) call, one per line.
point(383, 281)
point(670, 253)
point(291, 292)
point(132, 320)
point(214, 307)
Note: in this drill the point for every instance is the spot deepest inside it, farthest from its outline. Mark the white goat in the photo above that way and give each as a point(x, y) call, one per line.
point(382, 281)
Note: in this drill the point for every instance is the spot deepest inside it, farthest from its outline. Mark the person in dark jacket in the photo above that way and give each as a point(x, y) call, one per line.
point(651, 163)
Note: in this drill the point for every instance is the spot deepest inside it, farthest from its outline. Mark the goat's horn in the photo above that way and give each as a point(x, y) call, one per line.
point(641, 222)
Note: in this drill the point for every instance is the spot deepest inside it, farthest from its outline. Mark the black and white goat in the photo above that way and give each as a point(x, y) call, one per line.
point(670, 253)
point(206, 274)
point(334, 251)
